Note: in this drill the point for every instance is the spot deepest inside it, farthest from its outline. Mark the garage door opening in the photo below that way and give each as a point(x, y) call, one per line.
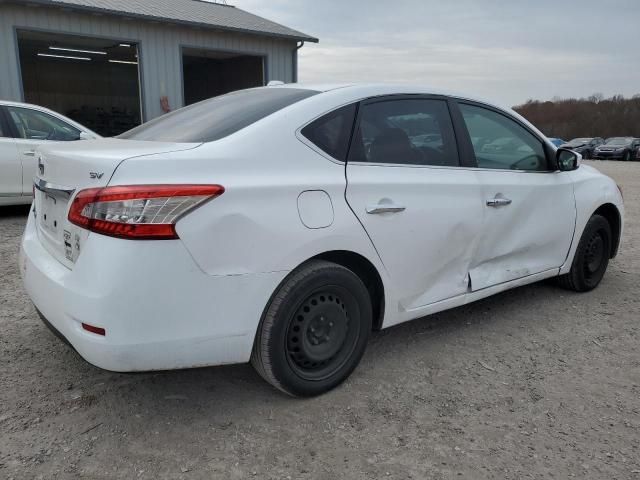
point(208, 73)
point(95, 82)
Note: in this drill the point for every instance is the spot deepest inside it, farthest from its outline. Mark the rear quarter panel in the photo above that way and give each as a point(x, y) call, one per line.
point(255, 226)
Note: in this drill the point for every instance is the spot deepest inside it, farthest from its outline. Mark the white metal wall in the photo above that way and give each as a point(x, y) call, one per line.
point(160, 47)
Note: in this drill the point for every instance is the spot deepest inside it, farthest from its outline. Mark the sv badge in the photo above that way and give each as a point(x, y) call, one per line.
point(94, 175)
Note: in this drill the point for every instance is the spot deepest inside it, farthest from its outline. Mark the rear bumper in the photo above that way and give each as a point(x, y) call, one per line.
point(53, 329)
point(159, 310)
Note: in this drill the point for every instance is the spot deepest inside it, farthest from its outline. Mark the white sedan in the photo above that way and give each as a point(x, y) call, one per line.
point(23, 128)
point(281, 225)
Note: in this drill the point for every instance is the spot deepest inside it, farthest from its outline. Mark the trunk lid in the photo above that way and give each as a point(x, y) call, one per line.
point(66, 168)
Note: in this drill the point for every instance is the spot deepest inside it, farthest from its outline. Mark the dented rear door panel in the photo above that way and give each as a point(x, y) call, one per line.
point(429, 246)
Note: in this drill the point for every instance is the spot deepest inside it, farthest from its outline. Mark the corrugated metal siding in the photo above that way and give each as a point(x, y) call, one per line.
point(194, 12)
point(160, 49)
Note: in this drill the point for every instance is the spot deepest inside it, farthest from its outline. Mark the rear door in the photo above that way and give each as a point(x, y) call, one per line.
point(10, 165)
point(34, 128)
point(528, 207)
point(421, 209)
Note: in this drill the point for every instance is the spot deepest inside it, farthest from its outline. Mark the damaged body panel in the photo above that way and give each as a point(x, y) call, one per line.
point(529, 235)
point(429, 247)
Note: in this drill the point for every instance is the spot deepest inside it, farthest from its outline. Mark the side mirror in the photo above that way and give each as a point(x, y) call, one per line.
point(85, 136)
point(567, 160)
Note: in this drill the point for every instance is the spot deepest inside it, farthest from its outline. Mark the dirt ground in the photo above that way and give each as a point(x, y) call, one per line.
point(533, 383)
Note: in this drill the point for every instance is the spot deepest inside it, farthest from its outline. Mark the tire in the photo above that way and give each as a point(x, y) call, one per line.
point(314, 330)
point(587, 155)
point(591, 258)
point(627, 156)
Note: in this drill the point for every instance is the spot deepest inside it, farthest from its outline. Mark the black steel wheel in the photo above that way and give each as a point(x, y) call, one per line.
point(591, 257)
point(320, 337)
point(314, 330)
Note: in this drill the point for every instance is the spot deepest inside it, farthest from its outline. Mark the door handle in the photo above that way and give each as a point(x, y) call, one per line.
point(499, 202)
point(385, 208)
point(30, 153)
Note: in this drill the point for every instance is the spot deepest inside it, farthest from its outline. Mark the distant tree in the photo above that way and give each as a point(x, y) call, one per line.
point(594, 116)
point(596, 98)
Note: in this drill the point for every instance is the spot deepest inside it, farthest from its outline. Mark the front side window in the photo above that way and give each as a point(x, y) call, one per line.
point(217, 117)
point(405, 132)
point(36, 125)
point(501, 143)
point(332, 132)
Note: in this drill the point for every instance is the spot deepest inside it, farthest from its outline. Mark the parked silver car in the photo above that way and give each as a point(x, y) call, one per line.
point(24, 127)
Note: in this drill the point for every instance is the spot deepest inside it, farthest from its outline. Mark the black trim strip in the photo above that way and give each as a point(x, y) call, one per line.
point(465, 147)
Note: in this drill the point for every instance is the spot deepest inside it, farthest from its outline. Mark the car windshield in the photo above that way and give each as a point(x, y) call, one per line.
point(619, 141)
point(217, 117)
point(578, 141)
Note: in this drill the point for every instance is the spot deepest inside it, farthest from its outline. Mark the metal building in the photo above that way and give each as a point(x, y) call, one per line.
point(111, 64)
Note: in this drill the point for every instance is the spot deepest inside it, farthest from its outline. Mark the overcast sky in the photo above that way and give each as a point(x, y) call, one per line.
point(507, 50)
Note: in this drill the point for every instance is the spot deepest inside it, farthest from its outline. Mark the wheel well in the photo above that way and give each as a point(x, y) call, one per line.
point(367, 273)
point(612, 215)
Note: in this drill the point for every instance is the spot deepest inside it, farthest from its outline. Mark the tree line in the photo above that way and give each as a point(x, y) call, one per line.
point(594, 116)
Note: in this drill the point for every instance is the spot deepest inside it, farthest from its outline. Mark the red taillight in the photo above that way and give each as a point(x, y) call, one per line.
point(138, 211)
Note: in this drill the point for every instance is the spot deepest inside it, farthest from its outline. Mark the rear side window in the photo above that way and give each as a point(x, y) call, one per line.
point(332, 132)
point(217, 117)
point(405, 132)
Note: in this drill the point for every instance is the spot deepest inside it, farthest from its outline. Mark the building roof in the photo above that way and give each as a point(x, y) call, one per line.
point(197, 13)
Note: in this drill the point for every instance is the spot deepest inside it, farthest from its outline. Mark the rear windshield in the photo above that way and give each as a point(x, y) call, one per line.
point(217, 117)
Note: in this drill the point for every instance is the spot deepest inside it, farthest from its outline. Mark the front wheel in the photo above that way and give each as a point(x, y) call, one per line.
point(591, 258)
point(627, 156)
point(314, 330)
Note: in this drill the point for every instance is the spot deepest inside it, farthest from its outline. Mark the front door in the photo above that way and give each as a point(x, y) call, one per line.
point(422, 211)
point(529, 208)
point(10, 166)
point(34, 128)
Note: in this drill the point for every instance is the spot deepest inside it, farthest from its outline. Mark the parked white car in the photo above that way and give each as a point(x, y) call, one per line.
point(282, 224)
point(23, 128)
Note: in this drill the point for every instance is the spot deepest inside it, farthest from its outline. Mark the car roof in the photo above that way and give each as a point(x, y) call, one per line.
point(18, 104)
point(353, 92)
point(375, 89)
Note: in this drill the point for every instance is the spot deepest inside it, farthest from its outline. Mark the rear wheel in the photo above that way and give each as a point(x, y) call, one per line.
point(314, 330)
point(591, 258)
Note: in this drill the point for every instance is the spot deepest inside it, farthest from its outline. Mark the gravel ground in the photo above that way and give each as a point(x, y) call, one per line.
point(533, 383)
